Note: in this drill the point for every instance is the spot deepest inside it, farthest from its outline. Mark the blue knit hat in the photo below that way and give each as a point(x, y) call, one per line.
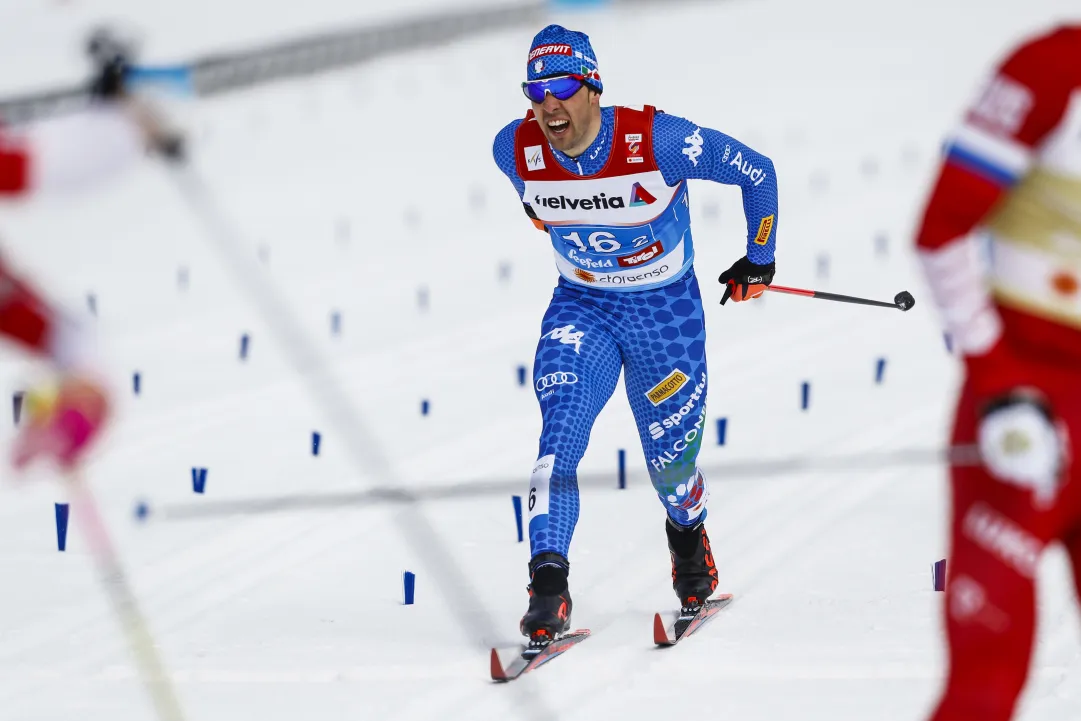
point(559, 51)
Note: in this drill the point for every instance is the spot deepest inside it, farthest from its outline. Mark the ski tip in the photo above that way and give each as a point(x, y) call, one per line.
point(660, 636)
point(498, 674)
point(723, 597)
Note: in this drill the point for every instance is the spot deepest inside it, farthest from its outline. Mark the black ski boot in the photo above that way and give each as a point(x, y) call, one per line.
point(549, 614)
point(694, 575)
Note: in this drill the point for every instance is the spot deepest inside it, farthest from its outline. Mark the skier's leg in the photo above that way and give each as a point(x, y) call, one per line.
point(997, 537)
point(664, 353)
point(666, 385)
point(575, 372)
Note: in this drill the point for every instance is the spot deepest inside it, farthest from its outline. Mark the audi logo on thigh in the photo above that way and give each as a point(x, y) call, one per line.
point(556, 379)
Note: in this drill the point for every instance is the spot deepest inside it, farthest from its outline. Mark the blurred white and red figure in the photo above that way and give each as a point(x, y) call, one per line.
point(54, 156)
point(1001, 247)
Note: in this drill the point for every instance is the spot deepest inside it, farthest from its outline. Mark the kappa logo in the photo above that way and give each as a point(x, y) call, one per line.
point(694, 142)
point(667, 387)
point(765, 228)
point(567, 335)
point(534, 157)
point(640, 196)
point(744, 166)
point(643, 256)
point(541, 50)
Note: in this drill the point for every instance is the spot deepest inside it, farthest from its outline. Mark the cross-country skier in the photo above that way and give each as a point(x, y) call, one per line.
point(1011, 179)
point(55, 156)
point(609, 186)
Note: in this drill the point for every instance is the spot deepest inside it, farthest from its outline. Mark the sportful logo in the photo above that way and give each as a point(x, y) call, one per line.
point(655, 430)
point(556, 379)
point(756, 174)
point(534, 157)
point(548, 50)
point(641, 196)
point(695, 143)
point(597, 202)
point(567, 335)
point(685, 410)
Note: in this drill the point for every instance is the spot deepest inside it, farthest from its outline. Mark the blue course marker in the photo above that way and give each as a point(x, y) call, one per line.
point(335, 323)
point(142, 510)
point(517, 500)
point(422, 298)
point(315, 443)
point(244, 347)
point(92, 303)
point(880, 370)
point(136, 382)
point(17, 406)
point(622, 468)
point(505, 271)
point(61, 526)
point(938, 575)
point(949, 342)
point(198, 480)
point(722, 427)
point(409, 581)
point(521, 375)
point(806, 395)
point(424, 407)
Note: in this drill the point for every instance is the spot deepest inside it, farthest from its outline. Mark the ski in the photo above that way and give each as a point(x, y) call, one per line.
point(534, 656)
point(687, 623)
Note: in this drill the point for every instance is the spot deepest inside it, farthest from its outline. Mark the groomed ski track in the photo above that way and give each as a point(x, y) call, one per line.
point(362, 186)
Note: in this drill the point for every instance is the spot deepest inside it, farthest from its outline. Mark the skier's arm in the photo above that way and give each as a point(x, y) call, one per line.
point(68, 153)
point(986, 156)
point(685, 151)
point(503, 152)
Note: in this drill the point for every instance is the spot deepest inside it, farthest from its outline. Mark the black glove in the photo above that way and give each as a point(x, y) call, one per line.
point(110, 56)
point(746, 280)
point(109, 84)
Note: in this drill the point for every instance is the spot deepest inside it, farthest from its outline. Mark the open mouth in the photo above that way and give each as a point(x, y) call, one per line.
point(558, 127)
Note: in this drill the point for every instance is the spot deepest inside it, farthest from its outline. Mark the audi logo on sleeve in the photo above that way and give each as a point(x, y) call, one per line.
point(556, 379)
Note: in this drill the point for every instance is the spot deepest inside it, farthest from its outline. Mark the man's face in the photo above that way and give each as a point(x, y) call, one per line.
point(566, 123)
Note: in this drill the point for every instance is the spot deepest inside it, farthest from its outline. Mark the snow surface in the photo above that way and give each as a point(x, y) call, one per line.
point(360, 187)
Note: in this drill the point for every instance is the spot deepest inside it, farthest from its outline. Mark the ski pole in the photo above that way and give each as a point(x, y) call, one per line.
point(901, 301)
point(124, 603)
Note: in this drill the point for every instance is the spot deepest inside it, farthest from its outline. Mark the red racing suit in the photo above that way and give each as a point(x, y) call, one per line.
point(1000, 244)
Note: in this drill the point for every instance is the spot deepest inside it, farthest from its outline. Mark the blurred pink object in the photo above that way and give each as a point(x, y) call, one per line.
point(63, 423)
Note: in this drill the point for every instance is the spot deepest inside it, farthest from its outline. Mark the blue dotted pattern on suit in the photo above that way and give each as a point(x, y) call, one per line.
point(648, 335)
point(683, 151)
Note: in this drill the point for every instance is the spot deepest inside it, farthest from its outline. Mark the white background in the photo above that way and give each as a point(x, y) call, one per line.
point(298, 614)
